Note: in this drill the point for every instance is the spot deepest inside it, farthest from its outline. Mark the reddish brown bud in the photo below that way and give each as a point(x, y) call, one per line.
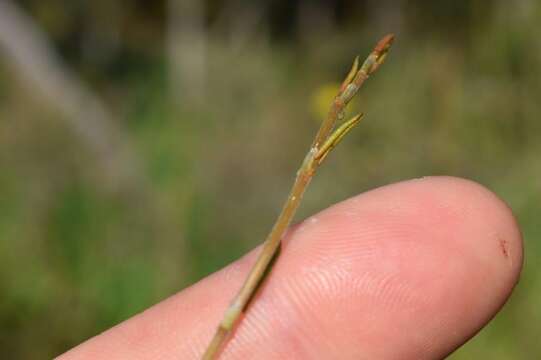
point(384, 44)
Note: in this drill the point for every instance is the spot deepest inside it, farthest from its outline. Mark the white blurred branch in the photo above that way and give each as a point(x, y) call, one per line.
point(244, 23)
point(186, 46)
point(315, 18)
point(31, 55)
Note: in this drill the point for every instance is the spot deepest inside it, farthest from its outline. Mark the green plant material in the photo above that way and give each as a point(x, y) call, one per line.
point(336, 137)
point(325, 140)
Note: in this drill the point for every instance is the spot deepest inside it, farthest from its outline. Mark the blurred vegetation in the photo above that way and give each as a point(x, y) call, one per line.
point(459, 96)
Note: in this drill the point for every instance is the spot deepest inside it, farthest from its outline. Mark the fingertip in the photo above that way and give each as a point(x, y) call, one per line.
point(491, 229)
point(435, 257)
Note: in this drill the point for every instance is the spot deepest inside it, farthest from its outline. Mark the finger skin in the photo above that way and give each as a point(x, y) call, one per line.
point(407, 271)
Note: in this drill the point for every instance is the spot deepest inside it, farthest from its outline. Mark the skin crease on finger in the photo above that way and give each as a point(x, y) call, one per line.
point(407, 271)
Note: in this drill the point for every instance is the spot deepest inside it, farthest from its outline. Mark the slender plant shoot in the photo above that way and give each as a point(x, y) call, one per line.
point(325, 140)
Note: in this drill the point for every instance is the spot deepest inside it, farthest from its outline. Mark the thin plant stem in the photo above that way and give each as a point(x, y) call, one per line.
point(324, 141)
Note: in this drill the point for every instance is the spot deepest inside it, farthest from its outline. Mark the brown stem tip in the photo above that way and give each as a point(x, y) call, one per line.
point(384, 44)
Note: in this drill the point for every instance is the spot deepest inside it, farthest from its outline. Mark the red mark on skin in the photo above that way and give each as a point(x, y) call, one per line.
point(504, 247)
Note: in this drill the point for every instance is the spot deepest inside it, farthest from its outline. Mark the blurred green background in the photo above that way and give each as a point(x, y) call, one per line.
point(144, 144)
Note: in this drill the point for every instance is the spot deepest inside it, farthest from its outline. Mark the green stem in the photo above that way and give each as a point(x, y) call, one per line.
point(323, 143)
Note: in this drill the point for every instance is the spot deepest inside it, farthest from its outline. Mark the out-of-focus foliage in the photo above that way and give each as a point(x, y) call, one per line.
point(459, 95)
